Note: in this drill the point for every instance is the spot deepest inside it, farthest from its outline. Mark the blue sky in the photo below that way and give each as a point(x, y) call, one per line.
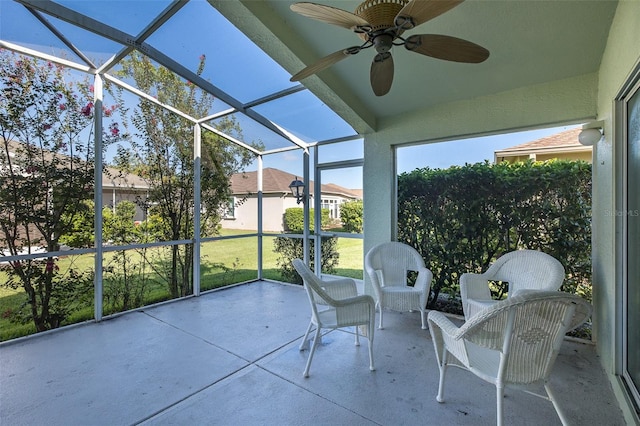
point(457, 153)
point(233, 61)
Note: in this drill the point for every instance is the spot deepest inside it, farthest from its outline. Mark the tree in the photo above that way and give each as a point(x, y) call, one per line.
point(47, 174)
point(162, 154)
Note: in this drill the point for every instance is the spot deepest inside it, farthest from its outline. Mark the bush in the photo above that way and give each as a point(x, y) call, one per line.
point(292, 248)
point(463, 218)
point(351, 216)
point(294, 219)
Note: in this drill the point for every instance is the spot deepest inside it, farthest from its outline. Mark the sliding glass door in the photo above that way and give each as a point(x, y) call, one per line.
point(632, 230)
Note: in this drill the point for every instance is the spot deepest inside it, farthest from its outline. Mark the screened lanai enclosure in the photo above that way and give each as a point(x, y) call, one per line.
point(135, 134)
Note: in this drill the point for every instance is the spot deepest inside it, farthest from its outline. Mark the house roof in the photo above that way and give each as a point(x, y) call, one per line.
point(559, 142)
point(278, 181)
point(114, 178)
point(111, 177)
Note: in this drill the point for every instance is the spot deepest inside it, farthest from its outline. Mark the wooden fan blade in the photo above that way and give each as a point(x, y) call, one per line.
point(421, 11)
point(382, 73)
point(325, 62)
point(447, 48)
point(330, 15)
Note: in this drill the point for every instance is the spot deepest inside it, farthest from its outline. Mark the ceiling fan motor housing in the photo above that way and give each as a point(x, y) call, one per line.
point(379, 13)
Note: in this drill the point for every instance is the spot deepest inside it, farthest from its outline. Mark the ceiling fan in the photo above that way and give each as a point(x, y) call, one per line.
point(380, 24)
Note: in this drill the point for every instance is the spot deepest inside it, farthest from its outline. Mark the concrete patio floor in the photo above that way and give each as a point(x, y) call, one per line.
point(231, 357)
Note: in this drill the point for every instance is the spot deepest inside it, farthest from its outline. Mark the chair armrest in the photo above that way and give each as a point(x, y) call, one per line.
point(363, 298)
point(424, 279)
point(474, 286)
point(340, 288)
point(423, 284)
point(375, 282)
point(445, 325)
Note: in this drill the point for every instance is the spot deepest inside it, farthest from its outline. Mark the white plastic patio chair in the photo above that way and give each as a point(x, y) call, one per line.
point(511, 344)
point(522, 269)
point(335, 304)
point(387, 265)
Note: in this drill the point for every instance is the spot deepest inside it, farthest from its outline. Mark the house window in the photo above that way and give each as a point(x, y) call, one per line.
point(229, 209)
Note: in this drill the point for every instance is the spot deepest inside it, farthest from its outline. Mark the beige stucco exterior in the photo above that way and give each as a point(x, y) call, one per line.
point(570, 101)
point(582, 156)
point(274, 206)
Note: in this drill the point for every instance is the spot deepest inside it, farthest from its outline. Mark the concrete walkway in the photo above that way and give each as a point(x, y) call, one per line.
point(231, 357)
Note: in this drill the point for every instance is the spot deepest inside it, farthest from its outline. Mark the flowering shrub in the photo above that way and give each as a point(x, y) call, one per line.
point(47, 172)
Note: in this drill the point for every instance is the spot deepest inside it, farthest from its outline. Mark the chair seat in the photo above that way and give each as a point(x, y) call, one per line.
point(474, 306)
point(328, 318)
point(399, 289)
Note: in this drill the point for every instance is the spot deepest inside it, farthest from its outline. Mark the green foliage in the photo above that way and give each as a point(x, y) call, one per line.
point(351, 216)
point(292, 248)
point(462, 218)
point(294, 219)
point(125, 277)
point(80, 233)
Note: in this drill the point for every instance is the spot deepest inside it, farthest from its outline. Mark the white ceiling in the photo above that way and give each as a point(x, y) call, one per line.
point(531, 42)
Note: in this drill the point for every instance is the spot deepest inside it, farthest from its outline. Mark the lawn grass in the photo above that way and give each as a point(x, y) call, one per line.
point(223, 262)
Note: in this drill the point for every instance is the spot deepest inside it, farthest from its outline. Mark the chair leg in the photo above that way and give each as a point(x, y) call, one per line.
point(380, 310)
point(499, 407)
point(305, 342)
point(371, 366)
point(316, 339)
point(553, 400)
point(443, 368)
point(423, 315)
point(357, 335)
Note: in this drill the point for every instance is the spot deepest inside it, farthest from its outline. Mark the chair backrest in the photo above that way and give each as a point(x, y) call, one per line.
point(313, 286)
point(527, 270)
point(528, 329)
point(389, 262)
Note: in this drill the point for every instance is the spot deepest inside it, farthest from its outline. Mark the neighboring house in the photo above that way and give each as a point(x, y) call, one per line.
point(276, 198)
point(116, 185)
point(563, 146)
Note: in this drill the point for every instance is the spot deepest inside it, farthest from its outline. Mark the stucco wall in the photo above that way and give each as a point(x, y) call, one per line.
point(246, 215)
point(621, 56)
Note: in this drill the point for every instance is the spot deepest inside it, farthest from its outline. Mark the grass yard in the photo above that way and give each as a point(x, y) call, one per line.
point(223, 262)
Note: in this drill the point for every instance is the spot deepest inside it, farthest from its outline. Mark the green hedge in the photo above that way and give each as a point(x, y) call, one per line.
point(351, 216)
point(461, 219)
point(294, 219)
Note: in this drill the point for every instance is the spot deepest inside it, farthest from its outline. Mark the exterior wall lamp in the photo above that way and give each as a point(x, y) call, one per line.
point(591, 133)
point(297, 189)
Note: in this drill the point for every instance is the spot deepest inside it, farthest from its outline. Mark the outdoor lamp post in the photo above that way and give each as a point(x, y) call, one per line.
point(297, 189)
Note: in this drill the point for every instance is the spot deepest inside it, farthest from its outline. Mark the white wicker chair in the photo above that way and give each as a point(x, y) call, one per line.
point(387, 265)
point(336, 304)
point(522, 269)
point(512, 344)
